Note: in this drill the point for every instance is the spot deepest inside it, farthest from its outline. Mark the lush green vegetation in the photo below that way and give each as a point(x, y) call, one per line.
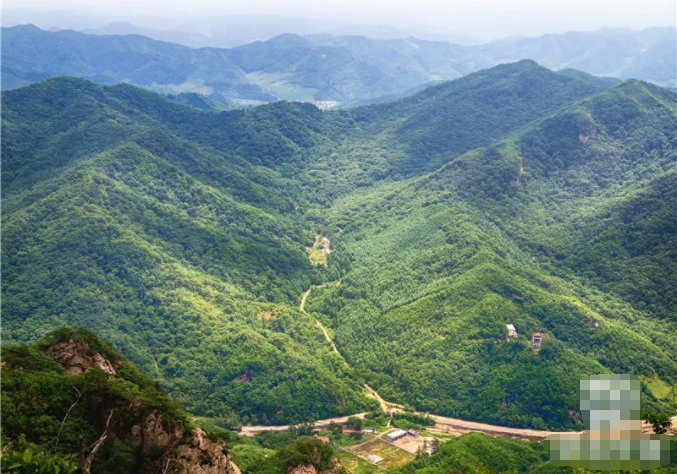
point(561, 229)
point(189, 259)
point(481, 454)
point(511, 196)
point(50, 417)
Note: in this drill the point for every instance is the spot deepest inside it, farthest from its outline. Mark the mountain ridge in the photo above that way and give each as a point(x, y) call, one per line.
point(342, 69)
point(183, 237)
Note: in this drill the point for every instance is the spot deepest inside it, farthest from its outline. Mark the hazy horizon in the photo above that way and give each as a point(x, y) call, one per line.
point(480, 20)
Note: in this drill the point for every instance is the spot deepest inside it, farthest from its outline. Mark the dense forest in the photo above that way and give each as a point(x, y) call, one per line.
point(514, 195)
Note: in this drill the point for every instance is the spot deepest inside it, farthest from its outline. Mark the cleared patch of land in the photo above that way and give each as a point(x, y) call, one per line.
point(356, 465)
point(391, 454)
point(411, 444)
point(319, 251)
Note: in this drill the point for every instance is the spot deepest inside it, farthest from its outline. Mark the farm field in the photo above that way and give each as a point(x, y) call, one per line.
point(391, 454)
point(356, 465)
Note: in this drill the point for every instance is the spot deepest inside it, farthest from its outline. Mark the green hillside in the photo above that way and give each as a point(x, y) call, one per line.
point(512, 234)
point(73, 404)
point(514, 195)
point(189, 259)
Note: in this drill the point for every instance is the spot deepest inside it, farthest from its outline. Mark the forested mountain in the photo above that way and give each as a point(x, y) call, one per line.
point(31, 55)
point(514, 195)
point(562, 229)
point(99, 414)
point(189, 257)
point(348, 70)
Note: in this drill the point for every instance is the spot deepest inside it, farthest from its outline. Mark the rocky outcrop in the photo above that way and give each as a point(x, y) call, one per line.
point(305, 469)
point(167, 448)
point(187, 453)
point(203, 456)
point(79, 358)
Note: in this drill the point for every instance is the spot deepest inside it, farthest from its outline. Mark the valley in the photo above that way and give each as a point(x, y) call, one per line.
point(281, 269)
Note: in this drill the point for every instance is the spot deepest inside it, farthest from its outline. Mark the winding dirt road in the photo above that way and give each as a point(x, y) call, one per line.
point(302, 308)
point(442, 423)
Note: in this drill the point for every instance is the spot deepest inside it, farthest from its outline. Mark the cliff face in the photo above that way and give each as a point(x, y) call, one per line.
point(189, 452)
point(184, 450)
point(79, 358)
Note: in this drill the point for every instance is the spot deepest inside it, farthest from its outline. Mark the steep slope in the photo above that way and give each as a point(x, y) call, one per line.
point(417, 134)
point(189, 259)
point(181, 236)
point(96, 412)
point(566, 229)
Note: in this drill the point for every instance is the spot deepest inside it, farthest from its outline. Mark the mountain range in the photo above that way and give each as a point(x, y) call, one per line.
point(189, 238)
point(333, 70)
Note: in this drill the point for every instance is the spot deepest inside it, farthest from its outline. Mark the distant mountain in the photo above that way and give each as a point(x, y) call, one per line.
point(220, 31)
point(185, 38)
point(600, 81)
point(347, 70)
point(31, 55)
point(515, 195)
point(649, 54)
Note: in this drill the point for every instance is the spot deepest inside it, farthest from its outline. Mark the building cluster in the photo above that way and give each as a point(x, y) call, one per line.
point(536, 337)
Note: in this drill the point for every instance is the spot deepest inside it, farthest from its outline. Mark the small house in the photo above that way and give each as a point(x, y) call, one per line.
point(368, 431)
point(536, 339)
point(395, 435)
point(413, 433)
point(324, 439)
point(512, 332)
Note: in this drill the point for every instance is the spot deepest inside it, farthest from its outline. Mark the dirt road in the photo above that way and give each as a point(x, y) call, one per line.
point(302, 308)
point(443, 423)
point(341, 420)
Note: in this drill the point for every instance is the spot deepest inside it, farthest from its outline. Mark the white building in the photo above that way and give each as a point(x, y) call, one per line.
point(395, 435)
point(512, 332)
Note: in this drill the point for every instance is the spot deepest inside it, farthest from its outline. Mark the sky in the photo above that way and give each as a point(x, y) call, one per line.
point(487, 19)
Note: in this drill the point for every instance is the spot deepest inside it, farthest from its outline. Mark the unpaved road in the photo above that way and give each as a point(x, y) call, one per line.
point(444, 423)
point(302, 308)
point(455, 425)
point(441, 422)
point(341, 420)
